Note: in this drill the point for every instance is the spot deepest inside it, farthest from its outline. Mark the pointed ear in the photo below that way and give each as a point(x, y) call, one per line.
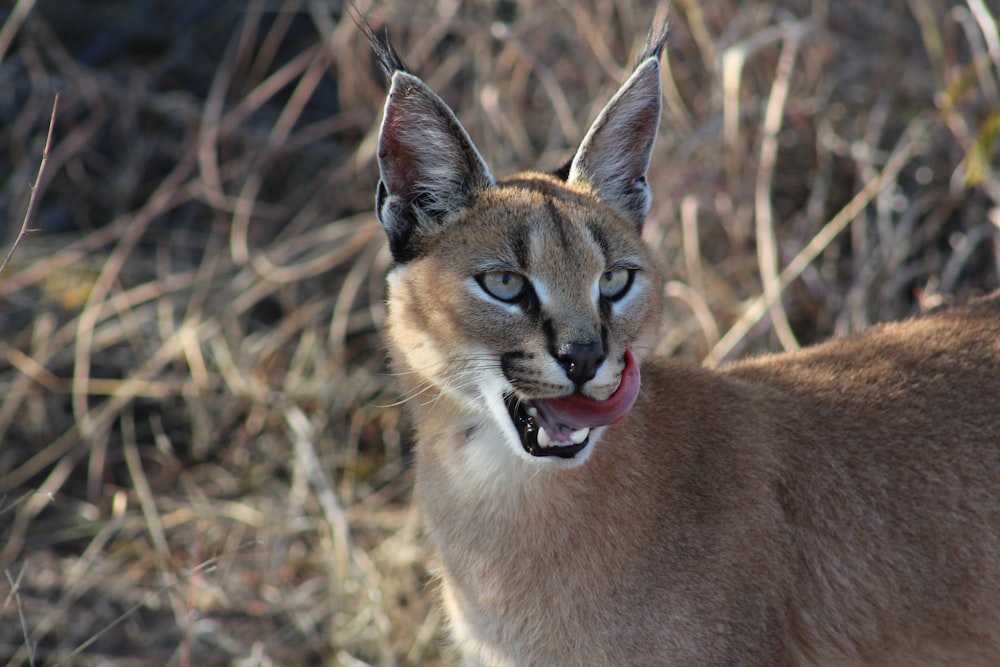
point(428, 166)
point(614, 155)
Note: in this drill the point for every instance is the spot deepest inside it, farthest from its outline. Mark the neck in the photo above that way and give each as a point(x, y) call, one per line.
point(524, 543)
point(537, 557)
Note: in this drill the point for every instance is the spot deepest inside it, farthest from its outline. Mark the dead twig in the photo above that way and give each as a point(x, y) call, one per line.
point(33, 199)
point(13, 23)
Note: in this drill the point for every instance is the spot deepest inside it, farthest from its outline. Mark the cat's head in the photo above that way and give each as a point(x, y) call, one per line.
point(529, 300)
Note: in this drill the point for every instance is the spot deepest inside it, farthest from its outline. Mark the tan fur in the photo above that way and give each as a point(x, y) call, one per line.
point(835, 506)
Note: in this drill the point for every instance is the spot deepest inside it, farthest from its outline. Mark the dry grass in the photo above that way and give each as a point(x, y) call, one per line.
point(202, 460)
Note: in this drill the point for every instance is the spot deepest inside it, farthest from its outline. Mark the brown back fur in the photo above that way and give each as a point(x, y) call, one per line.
point(835, 506)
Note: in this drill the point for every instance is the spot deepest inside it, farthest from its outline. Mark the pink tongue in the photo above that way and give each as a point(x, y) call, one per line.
point(578, 411)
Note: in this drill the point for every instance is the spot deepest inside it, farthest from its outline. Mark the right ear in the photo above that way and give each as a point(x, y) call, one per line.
point(429, 168)
point(615, 153)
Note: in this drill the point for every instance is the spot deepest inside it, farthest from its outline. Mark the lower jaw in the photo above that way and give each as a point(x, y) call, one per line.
point(532, 443)
point(559, 451)
point(533, 436)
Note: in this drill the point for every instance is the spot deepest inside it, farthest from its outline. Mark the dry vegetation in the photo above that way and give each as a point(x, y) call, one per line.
point(202, 460)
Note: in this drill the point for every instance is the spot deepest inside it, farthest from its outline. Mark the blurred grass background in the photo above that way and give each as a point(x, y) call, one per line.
point(202, 459)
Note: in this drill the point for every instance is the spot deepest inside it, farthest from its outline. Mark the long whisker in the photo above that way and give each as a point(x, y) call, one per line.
point(445, 362)
point(454, 374)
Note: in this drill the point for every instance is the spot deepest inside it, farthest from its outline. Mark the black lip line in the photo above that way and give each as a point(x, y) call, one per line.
point(527, 430)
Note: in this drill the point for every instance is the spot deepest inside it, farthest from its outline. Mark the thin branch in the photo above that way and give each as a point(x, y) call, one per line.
point(15, 19)
point(33, 199)
point(767, 250)
point(15, 585)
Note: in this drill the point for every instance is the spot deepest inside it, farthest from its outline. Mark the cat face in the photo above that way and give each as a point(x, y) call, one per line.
point(530, 307)
point(525, 301)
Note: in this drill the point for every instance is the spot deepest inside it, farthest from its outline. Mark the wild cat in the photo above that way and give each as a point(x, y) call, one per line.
point(591, 505)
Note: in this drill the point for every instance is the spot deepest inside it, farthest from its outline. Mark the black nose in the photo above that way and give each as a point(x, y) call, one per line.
point(580, 360)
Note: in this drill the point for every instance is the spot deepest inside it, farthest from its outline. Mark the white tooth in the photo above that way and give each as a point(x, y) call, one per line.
point(579, 436)
point(532, 411)
point(543, 438)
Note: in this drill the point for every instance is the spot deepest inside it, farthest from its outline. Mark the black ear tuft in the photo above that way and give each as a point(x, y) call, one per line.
point(388, 59)
point(656, 40)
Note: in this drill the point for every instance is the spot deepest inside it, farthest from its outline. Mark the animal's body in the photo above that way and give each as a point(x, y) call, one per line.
point(593, 505)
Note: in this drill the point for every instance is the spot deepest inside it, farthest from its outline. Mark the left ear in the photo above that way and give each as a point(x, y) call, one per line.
point(613, 158)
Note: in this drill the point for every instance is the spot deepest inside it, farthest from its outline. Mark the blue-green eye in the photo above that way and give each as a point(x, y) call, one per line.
point(505, 286)
point(614, 283)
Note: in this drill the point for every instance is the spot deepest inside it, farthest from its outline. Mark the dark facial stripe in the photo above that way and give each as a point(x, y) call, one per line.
point(600, 238)
point(558, 221)
point(604, 306)
point(520, 245)
point(550, 336)
point(510, 362)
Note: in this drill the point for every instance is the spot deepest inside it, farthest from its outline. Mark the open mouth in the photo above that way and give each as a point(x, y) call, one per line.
point(549, 440)
point(561, 426)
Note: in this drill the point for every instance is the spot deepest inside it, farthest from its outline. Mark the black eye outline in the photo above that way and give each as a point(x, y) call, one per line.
point(504, 286)
point(619, 280)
